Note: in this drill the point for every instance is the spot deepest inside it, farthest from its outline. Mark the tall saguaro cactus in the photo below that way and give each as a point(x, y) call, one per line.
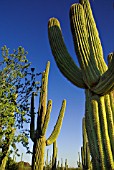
point(38, 135)
point(93, 75)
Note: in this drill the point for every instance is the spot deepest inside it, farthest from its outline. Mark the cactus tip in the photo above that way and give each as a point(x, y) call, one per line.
point(53, 22)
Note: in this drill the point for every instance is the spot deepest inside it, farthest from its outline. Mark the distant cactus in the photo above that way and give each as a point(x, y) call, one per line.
point(38, 135)
point(85, 152)
point(79, 162)
point(93, 75)
point(66, 165)
point(47, 155)
point(46, 164)
point(62, 167)
point(54, 156)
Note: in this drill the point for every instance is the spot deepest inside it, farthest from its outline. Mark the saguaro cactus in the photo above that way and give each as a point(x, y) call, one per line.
point(79, 162)
point(54, 156)
point(93, 75)
point(38, 135)
point(46, 162)
point(85, 152)
point(66, 165)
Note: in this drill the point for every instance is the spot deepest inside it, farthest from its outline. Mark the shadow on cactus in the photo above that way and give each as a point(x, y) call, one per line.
point(93, 75)
point(38, 135)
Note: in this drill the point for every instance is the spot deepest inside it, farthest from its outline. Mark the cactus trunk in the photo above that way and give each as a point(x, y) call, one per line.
point(38, 154)
point(99, 130)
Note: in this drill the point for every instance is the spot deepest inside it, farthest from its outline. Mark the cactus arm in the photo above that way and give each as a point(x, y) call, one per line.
point(82, 48)
point(87, 156)
point(43, 98)
point(96, 124)
point(61, 55)
point(93, 36)
point(106, 82)
point(58, 125)
point(106, 133)
point(32, 129)
point(47, 117)
point(112, 103)
point(82, 155)
point(110, 121)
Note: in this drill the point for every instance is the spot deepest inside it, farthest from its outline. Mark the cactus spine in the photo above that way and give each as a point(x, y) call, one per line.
point(93, 75)
point(38, 135)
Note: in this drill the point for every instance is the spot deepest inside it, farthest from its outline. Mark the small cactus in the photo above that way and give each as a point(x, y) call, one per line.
point(66, 165)
point(79, 162)
point(85, 152)
point(54, 156)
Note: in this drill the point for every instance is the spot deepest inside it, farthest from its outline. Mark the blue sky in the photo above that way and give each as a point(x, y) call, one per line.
point(24, 22)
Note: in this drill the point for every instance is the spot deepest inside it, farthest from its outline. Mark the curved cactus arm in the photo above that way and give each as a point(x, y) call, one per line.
point(106, 82)
point(93, 36)
point(32, 129)
point(47, 117)
point(80, 36)
point(58, 125)
point(63, 59)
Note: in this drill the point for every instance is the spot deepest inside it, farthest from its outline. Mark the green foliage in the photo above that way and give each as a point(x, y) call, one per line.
point(16, 88)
